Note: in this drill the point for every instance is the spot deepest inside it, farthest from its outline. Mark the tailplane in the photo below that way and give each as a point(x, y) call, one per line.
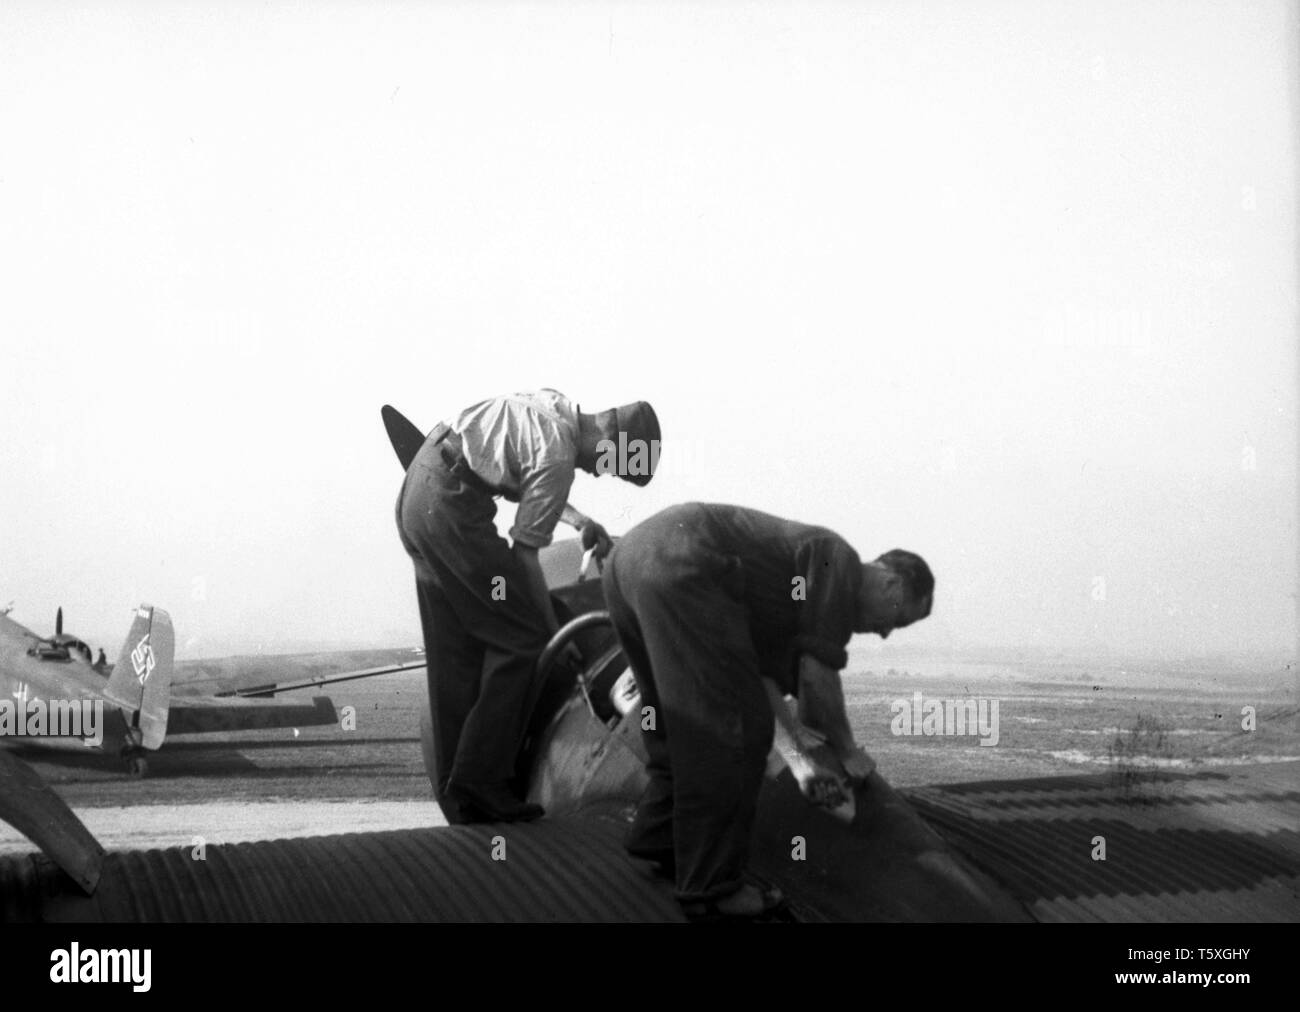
point(142, 678)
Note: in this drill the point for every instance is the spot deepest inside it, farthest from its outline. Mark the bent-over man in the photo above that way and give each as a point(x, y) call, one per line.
point(724, 611)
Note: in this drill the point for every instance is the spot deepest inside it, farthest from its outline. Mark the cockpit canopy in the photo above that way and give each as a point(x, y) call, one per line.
point(60, 648)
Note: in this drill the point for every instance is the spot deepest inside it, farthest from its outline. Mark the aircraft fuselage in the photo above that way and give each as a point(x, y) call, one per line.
point(46, 688)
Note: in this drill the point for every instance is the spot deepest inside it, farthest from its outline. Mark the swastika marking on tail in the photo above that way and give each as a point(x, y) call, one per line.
point(142, 659)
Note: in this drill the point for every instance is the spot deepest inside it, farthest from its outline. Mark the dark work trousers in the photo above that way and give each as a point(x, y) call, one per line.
point(481, 646)
point(676, 602)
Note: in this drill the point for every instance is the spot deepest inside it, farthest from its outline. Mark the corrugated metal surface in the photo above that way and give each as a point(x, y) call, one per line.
point(555, 870)
point(1216, 845)
point(887, 865)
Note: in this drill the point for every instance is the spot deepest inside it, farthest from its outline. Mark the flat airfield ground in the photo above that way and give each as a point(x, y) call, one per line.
point(1052, 720)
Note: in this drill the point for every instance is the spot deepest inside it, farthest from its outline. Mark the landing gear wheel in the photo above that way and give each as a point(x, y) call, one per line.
point(133, 755)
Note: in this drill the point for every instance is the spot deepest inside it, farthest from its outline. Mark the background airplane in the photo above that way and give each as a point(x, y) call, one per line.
point(140, 708)
point(136, 704)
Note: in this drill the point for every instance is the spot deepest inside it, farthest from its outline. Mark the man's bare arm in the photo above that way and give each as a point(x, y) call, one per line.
point(573, 517)
point(821, 704)
point(527, 556)
point(821, 709)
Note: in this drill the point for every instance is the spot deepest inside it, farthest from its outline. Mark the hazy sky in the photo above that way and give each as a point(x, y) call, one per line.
point(1012, 285)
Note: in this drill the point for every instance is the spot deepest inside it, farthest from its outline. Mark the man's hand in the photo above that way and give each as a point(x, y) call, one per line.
point(818, 783)
point(595, 536)
point(571, 657)
point(858, 765)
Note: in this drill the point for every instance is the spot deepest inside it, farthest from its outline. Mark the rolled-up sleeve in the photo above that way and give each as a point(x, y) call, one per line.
point(543, 493)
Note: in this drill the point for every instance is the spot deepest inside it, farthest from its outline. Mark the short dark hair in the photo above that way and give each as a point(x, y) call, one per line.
point(917, 578)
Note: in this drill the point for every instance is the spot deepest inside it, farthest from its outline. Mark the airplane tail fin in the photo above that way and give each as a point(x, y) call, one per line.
point(142, 677)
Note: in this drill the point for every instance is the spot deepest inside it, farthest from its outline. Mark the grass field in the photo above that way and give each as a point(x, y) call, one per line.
point(1061, 720)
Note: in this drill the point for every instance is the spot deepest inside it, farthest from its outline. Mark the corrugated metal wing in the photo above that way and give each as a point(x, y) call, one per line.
point(1210, 845)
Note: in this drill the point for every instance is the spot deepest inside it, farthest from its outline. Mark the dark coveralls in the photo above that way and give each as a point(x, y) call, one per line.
point(480, 651)
point(703, 599)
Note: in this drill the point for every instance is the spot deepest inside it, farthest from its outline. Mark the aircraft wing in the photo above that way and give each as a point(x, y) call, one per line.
point(559, 870)
point(1209, 843)
point(262, 691)
point(265, 675)
point(202, 715)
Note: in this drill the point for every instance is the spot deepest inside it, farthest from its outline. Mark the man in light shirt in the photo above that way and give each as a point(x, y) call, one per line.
point(484, 607)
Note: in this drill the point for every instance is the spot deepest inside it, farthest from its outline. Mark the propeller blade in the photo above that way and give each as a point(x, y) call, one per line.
point(403, 434)
point(58, 622)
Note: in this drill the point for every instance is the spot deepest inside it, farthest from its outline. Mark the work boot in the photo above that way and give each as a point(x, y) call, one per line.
point(493, 803)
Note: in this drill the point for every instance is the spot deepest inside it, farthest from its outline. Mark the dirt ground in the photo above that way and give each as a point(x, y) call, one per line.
point(258, 784)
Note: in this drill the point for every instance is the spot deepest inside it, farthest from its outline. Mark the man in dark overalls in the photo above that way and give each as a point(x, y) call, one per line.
point(485, 610)
point(722, 612)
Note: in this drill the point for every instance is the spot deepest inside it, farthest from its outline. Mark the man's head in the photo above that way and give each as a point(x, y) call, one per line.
point(897, 590)
point(621, 441)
